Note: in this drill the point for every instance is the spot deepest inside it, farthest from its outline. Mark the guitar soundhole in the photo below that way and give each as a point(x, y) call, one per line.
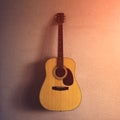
point(60, 72)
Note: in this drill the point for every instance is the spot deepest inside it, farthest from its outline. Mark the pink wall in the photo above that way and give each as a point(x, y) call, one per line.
point(91, 38)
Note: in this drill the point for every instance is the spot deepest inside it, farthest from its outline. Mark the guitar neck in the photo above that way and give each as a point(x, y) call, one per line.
point(60, 46)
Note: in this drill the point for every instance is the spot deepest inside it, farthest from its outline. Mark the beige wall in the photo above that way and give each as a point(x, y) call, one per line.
point(91, 37)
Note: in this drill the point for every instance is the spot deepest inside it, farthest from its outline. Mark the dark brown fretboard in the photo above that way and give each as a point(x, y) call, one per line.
point(60, 46)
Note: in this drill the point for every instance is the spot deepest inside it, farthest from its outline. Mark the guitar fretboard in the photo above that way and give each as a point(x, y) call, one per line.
point(60, 46)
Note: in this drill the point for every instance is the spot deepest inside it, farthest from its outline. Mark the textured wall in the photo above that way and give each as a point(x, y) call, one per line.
point(28, 36)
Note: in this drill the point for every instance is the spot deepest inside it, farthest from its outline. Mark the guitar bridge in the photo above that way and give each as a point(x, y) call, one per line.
point(59, 88)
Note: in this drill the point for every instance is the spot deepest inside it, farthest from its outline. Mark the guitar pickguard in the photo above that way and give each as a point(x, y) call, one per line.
point(68, 80)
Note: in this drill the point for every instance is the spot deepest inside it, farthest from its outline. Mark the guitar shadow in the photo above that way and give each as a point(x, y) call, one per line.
point(29, 89)
point(26, 96)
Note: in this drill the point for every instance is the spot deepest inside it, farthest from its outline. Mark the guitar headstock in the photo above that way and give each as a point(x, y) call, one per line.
point(60, 18)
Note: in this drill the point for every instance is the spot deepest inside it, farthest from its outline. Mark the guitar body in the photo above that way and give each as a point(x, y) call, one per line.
point(55, 94)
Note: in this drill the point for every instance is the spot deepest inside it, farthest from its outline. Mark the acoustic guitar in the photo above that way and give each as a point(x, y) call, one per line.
point(60, 90)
